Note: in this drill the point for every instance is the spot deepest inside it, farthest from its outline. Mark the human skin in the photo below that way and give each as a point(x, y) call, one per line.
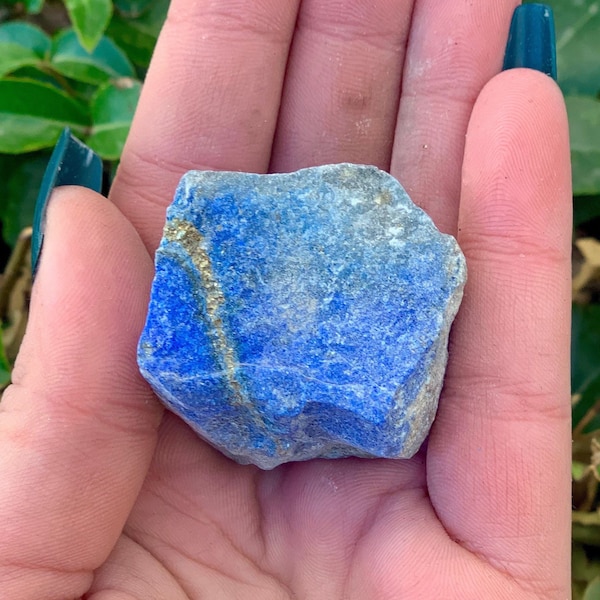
point(106, 496)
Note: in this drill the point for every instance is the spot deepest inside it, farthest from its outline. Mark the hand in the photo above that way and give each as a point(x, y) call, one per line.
point(106, 496)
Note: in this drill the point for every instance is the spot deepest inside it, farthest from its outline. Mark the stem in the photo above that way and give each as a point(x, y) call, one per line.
point(13, 269)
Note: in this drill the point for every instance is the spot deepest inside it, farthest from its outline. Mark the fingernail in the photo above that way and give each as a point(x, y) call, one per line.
point(71, 163)
point(531, 40)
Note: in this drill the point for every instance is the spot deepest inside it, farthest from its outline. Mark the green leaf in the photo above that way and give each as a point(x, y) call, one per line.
point(21, 44)
point(586, 534)
point(592, 592)
point(585, 347)
point(578, 470)
point(585, 209)
point(578, 45)
point(584, 124)
point(20, 179)
point(26, 35)
point(132, 8)
point(112, 110)
point(36, 74)
point(4, 365)
point(33, 114)
point(89, 18)
point(583, 569)
point(34, 7)
point(138, 36)
point(13, 57)
point(71, 59)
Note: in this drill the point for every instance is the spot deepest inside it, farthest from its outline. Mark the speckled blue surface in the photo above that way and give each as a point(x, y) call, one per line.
point(301, 315)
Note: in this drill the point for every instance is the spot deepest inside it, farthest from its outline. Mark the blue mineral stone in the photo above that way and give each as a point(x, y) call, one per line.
point(301, 315)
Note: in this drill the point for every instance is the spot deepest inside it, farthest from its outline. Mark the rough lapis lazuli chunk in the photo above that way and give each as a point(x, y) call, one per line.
point(301, 315)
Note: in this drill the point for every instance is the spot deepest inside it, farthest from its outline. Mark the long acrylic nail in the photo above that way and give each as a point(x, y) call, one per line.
point(71, 163)
point(531, 40)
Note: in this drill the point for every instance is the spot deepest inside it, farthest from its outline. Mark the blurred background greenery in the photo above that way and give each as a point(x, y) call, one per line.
point(81, 64)
point(72, 63)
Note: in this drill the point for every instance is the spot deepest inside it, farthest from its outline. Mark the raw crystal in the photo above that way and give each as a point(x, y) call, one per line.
point(301, 315)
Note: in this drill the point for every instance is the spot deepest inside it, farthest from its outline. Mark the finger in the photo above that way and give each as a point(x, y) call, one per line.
point(499, 452)
point(210, 101)
point(78, 425)
point(342, 85)
point(454, 49)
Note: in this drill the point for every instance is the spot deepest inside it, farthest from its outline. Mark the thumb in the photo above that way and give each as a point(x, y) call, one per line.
point(499, 454)
point(78, 425)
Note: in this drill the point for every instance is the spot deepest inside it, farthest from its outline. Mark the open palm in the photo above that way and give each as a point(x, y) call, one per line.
point(106, 496)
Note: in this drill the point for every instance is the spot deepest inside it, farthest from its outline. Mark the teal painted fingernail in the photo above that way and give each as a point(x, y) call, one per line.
point(71, 163)
point(531, 40)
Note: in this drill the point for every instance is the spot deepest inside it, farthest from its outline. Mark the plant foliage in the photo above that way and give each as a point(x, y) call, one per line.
point(86, 74)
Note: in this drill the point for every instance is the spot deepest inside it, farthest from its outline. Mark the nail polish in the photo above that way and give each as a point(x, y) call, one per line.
point(531, 40)
point(71, 163)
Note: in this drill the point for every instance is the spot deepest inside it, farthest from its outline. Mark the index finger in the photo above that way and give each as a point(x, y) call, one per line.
point(210, 101)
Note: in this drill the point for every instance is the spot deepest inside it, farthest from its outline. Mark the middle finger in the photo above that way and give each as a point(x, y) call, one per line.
point(342, 84)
